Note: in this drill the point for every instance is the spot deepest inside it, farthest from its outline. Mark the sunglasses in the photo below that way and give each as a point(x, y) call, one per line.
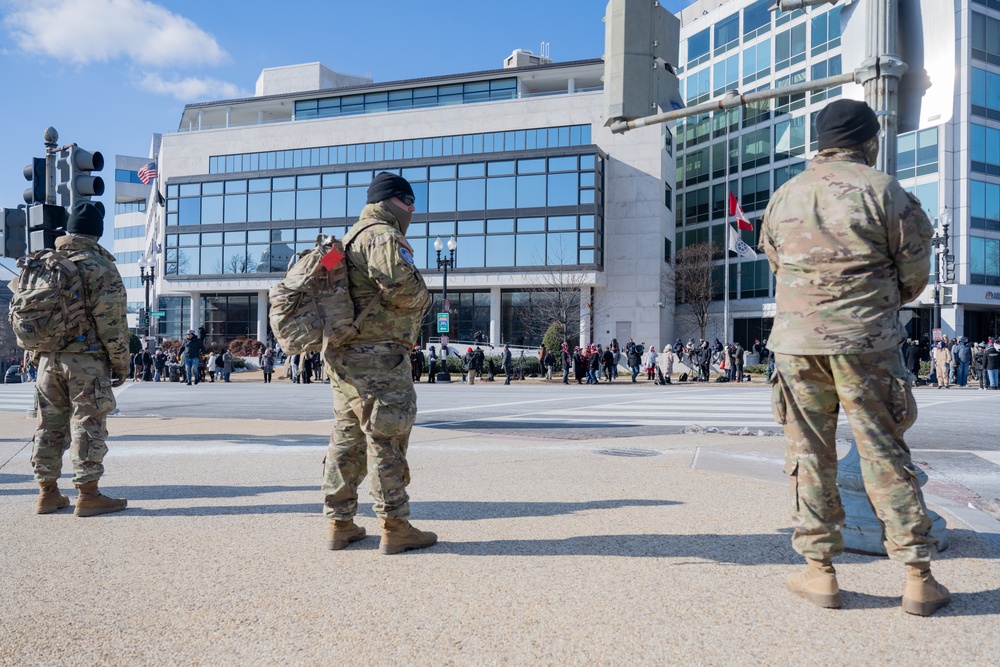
point(406, 199)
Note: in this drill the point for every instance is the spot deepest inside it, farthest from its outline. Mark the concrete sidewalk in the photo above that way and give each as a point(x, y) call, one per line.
point(658, 550)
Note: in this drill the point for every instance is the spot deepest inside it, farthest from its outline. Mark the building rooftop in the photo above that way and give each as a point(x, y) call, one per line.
point(541, 79)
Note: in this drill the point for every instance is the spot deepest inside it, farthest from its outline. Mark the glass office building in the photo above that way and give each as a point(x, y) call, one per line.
point(514, 163)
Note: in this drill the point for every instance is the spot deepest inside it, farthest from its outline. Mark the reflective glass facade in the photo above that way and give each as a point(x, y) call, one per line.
point(407, 98)
point(527, 212)
point(407, 149)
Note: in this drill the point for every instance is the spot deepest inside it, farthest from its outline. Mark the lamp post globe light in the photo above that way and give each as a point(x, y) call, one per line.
point(147, 281)
point(445, 326)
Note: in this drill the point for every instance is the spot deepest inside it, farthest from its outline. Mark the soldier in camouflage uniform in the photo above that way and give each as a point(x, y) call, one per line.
point(848, 246)
point(374, 402)
point(74, 384)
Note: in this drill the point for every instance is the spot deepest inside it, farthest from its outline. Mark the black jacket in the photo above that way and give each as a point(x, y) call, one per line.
point(991, 358)
point(192, 348)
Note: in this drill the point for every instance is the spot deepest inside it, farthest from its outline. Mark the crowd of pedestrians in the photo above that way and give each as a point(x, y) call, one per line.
point(598, 363)
point(955, 361)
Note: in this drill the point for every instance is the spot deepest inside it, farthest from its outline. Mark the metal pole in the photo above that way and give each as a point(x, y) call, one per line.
point(734, 98)
point(146, 282)
point(51, 139)
point(881, 71)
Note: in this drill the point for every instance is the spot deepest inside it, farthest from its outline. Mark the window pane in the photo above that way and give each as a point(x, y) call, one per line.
point(259, 207)
point(334, 202)
point(500, 250)
point(189, 211)
point(187, 261)
point(236, 208)
point(307, 204)
point(562, 249)
point(283, 205)
point(211, 210)
point(471, 252)
point(530, 191)
point(211, 260)
point(530, 250)
point(502, 226)
point(471, 227)
point(257, 259)
point(500, 193)
point(472, 194)
point(563, 189)
point(441, 196)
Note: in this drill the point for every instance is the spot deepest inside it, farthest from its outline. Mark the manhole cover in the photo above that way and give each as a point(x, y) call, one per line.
point(627, 452)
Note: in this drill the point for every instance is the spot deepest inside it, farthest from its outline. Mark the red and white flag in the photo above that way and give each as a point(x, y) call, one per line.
point(742, 221)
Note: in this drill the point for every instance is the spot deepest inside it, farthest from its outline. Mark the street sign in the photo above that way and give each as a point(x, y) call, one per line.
point(447, 305)
point(444, 340)
point(927, 46)
point(936, 333)
point(443, 323)
point(157, 313)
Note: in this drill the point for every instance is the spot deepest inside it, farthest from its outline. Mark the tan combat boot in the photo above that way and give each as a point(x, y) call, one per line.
point(343, 533)
point(49, 498)
point(92, 502)
point(922, 594)
point(817, 583)
point(399, 536)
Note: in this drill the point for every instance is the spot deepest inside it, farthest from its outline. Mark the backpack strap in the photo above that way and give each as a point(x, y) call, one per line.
point(353, 234)
point(73, 258)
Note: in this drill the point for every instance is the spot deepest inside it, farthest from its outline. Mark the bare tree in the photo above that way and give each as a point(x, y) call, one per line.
point(694, 285)
point(555, 296)
point(235, 264)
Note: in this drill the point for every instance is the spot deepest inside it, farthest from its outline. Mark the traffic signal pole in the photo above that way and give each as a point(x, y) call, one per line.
point(51, 139)
point(880, 74)
point(734, 98)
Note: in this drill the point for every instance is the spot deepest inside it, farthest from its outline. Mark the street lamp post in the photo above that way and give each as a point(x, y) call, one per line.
point(147, 281)
point(445, 264)
point(940, 244)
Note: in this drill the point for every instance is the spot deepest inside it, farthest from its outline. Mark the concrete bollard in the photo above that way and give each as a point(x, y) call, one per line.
point(862, 530)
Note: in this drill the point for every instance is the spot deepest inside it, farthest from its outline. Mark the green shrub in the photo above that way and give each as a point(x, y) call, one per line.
point(554, 336)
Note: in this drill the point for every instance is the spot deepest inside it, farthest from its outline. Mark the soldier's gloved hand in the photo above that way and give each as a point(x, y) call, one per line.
point(118, 377)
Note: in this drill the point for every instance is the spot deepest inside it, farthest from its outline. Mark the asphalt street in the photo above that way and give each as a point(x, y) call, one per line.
point(955, 435)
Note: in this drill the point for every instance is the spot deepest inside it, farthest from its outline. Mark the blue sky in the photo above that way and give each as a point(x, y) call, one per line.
point(109, 73)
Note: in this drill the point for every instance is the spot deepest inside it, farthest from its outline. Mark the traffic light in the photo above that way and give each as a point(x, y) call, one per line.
point(641, 50)
point(46, 223)
point(35, 174)
point(14, 233)
point(949, 269)
point(75, 180)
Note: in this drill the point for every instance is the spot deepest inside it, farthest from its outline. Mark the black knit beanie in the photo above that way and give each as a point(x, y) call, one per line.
point(386, 185)
point(845, 123)
point(86, 218)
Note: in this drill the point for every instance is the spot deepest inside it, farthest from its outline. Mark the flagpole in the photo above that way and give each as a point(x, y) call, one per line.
point(725, 280)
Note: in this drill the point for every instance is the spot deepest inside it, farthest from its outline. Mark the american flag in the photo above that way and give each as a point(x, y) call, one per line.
point(147, 173)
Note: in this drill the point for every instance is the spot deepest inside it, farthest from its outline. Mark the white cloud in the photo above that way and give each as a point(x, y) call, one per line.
point(191, 89)
point(83, 31)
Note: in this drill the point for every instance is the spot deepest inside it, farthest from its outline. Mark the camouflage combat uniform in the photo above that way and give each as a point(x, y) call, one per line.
point(74, 387)
point(374, 401)
point(848, 246)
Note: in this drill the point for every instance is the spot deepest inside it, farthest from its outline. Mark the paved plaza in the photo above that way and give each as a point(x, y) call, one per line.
point(651, 550)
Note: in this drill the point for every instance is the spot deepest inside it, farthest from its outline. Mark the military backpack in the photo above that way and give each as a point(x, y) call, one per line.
point(311, 307)
point(48, 310)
